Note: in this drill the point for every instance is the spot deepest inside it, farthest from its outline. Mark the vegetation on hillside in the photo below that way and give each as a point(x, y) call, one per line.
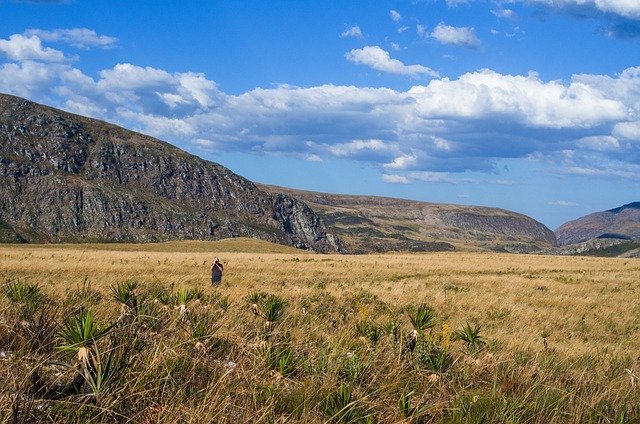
point(460, 338)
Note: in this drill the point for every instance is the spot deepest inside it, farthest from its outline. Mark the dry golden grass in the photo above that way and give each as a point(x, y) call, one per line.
point(582, 304)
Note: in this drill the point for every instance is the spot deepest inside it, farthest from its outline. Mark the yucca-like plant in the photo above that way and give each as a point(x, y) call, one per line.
point(423, 319)
point(281, 359)
point(254, 298)
point(341, 407)
point(124, 293)
point(25, 295)
point(201, 329)
point(470, 335)
point(183, 297)
point(272, 309)
point(223, 303)
point(405, 404)
point(79, 333)
point(369, 331)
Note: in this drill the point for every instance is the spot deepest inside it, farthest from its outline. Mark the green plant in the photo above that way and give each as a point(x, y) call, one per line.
point(124, 293)
point(223, 303)
point(354, 368)
point(470, 335)
point(79, 333)
point(271, 310)
point(341, 407)
point(432, 358)
point(281, 359)
point(423, 318)
point(407, 410)
point(25, 295)
point(202, 328)
point(368, 330)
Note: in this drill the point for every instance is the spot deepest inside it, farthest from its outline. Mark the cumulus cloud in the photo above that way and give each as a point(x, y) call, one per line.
point(20, 48)
point(589, 124)
point(459, 36)
point(379, 59)
point(77, 37)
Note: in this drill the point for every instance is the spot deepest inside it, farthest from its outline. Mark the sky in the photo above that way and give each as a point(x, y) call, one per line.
point(527, 105)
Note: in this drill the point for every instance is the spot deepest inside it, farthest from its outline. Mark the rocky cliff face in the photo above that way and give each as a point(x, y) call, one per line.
point(65, 178)
point(621, 223)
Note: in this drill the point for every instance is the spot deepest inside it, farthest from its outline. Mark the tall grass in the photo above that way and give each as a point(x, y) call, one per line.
point(533, 339)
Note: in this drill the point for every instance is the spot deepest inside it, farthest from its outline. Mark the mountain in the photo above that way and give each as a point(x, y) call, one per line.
point(66, 178)
point(619, 223)
point(377, 224)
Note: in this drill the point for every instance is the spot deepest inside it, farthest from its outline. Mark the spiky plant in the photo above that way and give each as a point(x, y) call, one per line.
point(470, 335)
point(26, 296)
point(183, 297)
point(124, 293)
point(79, 333)
point(423, 318)
point(254, 298)
point(369, 331)
point(272, 309)
point(201, 329)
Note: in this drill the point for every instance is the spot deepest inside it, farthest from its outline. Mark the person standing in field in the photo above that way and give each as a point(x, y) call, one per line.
point(216, 272)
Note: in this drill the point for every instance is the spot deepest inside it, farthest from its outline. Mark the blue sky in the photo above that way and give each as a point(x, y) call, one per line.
point(527, 105)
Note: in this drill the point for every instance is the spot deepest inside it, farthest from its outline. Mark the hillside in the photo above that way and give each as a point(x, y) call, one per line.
point(66, 178)
point(369, 223)
point(619, 223)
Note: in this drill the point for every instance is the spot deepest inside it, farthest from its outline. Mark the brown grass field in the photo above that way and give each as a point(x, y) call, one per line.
point(561, 336)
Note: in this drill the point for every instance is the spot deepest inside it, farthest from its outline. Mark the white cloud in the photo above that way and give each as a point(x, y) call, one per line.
point(626, 8)
point(563, 203)
point(402, 162)
point(504, 13)
point(599, 143)
point(21, 48)
point(78, 37)
point(356, 147)
point(453, 3)
point(433, 177)
point(395, 179)
point(459, 36)
point(378, 59)
point(354, 31)
point(525, 99)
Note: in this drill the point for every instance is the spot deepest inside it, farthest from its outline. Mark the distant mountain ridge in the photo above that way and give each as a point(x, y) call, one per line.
point(622, 223)
point(372, 224)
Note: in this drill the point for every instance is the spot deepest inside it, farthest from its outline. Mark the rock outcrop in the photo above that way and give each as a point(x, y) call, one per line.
point(66, 178)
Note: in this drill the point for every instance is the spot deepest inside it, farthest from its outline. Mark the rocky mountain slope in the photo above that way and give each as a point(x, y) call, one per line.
point(65, 178)
point(367, 224)
point(619, 223)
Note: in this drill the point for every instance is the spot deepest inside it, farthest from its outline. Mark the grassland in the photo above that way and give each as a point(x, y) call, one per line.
point(513, 338)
